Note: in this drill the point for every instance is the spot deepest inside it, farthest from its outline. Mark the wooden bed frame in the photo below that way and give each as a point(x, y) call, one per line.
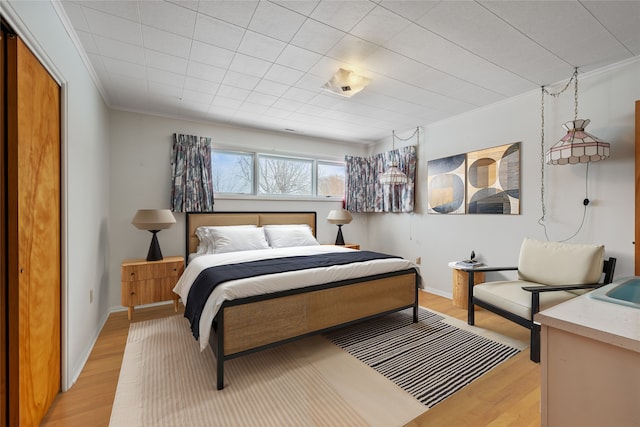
point(250, 324)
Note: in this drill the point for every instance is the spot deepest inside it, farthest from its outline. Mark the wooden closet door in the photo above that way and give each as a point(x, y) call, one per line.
point(33, 206)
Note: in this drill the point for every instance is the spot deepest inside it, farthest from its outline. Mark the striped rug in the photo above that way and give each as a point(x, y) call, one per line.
point(431, 359)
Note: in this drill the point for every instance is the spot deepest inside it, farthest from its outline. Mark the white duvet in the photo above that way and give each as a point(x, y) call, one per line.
point(274, 282)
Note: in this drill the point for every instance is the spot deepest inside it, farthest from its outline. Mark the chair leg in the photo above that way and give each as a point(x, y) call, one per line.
point(535, 343)
point(471, 309)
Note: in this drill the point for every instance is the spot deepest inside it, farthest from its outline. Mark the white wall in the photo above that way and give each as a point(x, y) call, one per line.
point(140, 164)
point(607, 97)
point(85, 183)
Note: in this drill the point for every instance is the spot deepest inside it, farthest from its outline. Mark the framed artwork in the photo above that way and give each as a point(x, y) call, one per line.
point(445, 185)
point(493, 180)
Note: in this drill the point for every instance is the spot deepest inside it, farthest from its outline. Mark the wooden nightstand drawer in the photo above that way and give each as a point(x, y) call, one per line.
point(149, 291)
point(133, 270)
point(146, 282)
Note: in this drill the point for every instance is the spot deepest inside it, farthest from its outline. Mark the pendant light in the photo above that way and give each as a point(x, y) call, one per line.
point(577, 146)
point(393, 175)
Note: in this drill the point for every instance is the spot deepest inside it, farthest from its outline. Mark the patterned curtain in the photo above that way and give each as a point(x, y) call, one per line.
point(366, 194)
point(191, 185)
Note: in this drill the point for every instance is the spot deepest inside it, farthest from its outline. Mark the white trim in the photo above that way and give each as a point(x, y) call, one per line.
point(74, 373)
point(65, 382)
point(438, 292)
point(64, 19)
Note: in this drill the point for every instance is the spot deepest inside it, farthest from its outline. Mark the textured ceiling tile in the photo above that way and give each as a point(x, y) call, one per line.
point(317, 37)
point(271, 88)
point(164, 41)
point(204, 86)
point(379, 26)
point(165, 62)
point(352, 50)
point(261, 46)
point(123, 9)
point(113, 27)
point(275, 21)
point(111, 48)
point(168, 16)
point(217, 32)
point(249, 65)
point(343, 15)
point(411, 10)
point(244, 81)
point(297, 58)
point(211, 55)
point(569, 30)
point(205, 72)
point(232, 11)
point(621, 18)
point(304, 7)
point(284, 75)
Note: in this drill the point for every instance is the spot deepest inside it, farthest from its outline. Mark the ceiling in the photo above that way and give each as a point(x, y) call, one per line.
point(263, 63)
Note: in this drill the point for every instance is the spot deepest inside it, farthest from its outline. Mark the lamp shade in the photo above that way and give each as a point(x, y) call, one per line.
point(393, 176)
point(153, 219)
point(339, 217)
point(577, 146)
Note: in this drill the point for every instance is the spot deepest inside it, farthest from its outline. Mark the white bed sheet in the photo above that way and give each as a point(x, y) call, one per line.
point(274, 282)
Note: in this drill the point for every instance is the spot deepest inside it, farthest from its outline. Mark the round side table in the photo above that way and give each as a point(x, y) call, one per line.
point(461, 284)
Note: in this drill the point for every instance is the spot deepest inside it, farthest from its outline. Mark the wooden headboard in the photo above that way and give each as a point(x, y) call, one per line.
point(195, 220)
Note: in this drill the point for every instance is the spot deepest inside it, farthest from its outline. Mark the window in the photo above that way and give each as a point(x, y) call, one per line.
point(237, 172)
point(285, 176)
point(232, 172)
point(331, 177)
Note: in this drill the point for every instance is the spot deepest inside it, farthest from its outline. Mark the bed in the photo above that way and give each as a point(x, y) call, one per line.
point(237, 322)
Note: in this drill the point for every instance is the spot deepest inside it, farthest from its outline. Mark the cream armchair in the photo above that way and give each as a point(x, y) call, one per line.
point(548, 273)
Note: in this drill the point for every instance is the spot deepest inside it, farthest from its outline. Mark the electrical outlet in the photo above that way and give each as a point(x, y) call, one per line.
point(418, 260)
point(90, 296)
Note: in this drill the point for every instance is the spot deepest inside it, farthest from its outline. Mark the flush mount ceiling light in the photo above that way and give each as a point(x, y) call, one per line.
point(346, 83)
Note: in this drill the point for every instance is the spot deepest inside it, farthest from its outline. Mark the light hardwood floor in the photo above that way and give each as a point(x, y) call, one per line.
point(507, 396)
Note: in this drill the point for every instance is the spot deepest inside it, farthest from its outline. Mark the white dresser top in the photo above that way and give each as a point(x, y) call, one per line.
point(607, 322)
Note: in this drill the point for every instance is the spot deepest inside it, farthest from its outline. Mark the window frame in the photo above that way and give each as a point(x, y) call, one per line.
point(255, 158)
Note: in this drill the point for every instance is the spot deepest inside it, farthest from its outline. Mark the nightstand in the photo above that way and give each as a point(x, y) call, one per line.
point(346, 245)
point(145, 282)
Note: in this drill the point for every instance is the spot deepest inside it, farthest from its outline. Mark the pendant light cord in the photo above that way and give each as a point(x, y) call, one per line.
point(585, 202)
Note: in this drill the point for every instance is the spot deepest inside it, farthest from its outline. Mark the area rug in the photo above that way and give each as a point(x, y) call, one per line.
point(166, 381)
point(431, 359)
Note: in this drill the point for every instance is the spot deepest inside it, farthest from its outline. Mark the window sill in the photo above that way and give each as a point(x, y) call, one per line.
point(279, 198)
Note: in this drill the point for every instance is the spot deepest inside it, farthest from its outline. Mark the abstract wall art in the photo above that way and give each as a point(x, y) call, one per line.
point(493, 180)
point(446, 185)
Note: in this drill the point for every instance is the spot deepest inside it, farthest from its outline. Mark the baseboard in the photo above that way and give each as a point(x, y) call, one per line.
point(77, 370)
point(438, 292)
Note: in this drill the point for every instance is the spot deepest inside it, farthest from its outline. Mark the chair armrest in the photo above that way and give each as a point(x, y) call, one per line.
point(537, 289)
point(485, 269)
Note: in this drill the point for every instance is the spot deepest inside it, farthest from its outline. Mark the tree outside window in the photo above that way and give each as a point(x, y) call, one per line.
point(285, 176)
point(232, 172)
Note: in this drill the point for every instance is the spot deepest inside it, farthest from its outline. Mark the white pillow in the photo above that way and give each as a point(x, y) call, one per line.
point(283, 236)
point(237, 239)
point(207, 245)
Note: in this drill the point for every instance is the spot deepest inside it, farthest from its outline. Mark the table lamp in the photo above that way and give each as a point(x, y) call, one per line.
point(339, 217)
point(153, 220)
